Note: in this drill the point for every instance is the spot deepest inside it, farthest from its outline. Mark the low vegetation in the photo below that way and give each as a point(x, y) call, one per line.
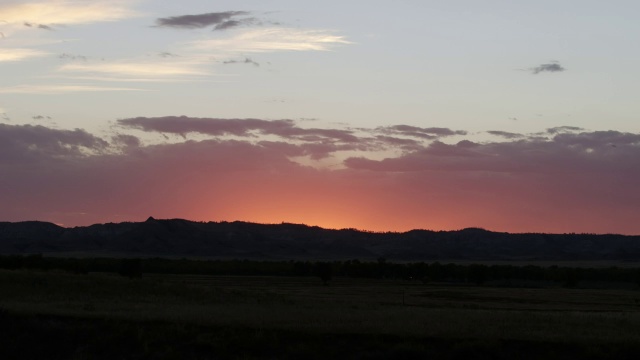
point(129, 311)
point(501, 274)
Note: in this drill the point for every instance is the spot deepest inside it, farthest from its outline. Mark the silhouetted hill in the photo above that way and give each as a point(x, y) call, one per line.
point(182, 238)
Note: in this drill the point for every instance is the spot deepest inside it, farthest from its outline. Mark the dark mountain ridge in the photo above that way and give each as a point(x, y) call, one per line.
point(243, 240)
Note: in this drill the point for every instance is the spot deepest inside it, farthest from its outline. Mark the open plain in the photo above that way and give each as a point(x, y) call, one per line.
point(100, 315)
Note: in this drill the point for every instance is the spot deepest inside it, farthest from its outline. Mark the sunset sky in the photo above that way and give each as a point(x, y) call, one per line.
point(386, 116)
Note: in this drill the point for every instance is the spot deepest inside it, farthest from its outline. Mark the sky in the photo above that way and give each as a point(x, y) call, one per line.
point(375, 115)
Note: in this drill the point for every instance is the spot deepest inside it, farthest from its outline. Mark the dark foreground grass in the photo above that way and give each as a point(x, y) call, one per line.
point(62, 337)
point(54, 315)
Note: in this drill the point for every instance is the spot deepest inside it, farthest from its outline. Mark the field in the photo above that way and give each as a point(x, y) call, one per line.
point(99, 315)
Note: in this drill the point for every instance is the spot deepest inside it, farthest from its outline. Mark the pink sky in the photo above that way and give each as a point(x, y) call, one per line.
point(392, 178)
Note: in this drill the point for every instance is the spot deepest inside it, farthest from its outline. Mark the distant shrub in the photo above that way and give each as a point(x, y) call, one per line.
point(324, 271)
point(131, 268)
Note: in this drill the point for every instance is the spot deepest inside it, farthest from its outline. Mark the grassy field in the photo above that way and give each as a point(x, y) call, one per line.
point(61, 315)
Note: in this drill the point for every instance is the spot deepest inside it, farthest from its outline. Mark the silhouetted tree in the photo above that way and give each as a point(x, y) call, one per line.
point(324, 271)
point(302, 268)
point(131, 268)
point(382, 267)
point(572, 278)
point(477, 274)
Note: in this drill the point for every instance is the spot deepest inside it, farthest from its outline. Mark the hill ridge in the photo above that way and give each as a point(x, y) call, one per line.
point(288, 241)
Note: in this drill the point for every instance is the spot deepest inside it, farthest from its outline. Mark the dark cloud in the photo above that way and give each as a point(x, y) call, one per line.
point(467, 144)
point(423, 133)
point(166, 54)
point(295, 132)
point(182, 125)
point(228, 24)
point(321, 150)
point(584, 182)
point(583, 153)
point(28, 142)
point(126, 140)
point(550, 67)
point(401, 142)
point(461, 149)
point(283, 147)
point(505, 134)
point(66, 56)
point(312, 142)
point(220, 20)
point(564, 182)
point(599, 141)
point(131, 183)
point(39, 26)
point(562, 129)
point(245, 61)
point(315, 151)
point(315, 142)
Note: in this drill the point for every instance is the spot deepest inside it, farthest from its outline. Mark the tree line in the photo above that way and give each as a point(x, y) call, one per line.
point(425, 272)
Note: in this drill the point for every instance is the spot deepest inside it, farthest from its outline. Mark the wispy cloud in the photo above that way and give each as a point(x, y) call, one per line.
point(183, 125)
point(313, 142)
point(550, 67)
point(505, 134)
point(126, 140)
point(272, 39)
point(245, 61)
point(20, 54)
point(65, 56)
point(166, 54)
point(21, 18)
point(60, 89)
point(418, 132)
point(230, 24)
point(220, 20)
point(66, 12)
point(143, 69)
point(38, 26)
point(563, 129)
